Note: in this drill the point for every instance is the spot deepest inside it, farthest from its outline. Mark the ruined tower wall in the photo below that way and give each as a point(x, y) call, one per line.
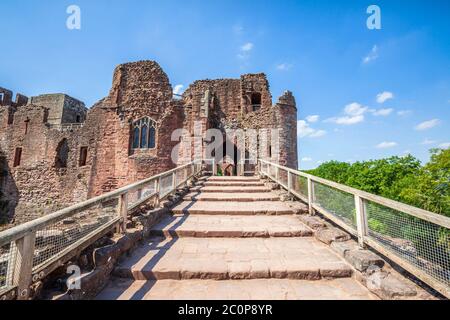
point(35, 186)
point(139, 90)
point(62, 108)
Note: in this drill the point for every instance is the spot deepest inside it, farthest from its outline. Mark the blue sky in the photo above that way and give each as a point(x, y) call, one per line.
point(320, 50)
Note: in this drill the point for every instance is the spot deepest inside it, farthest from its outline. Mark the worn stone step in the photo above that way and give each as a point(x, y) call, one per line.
point(233, 184)
point(203, 226)
point(234, 208)
point(233, 259)
point(231, 189)
point(234, 179)
point(236, 197)
point(260, 289)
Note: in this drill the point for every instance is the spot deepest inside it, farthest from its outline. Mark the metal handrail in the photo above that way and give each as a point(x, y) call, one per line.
point(19, 231)
point(362, 230)
point(21, 257)
point(414, 211)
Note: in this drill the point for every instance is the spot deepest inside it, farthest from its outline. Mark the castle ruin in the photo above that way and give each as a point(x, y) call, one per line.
point(55, 152)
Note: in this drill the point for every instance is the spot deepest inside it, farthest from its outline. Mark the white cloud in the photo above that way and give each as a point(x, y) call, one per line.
point(428, 142)
point(178, 89)
point(347, 121)
point(320, 162)
point(247, 47)
point(312, 119)
point(428, 125)
point(386, 145)
point(383, 112)
point(373, 55)
point(307, 159)
point(403, 113)
point(445, 145)
point(305, 131)
point(318, 134)
point(354, 114)
point(284, 66)
point(355, 109)
point(385, 96)
point(244, 51)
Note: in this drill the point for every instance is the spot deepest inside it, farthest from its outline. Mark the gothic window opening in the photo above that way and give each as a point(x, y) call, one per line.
point(17, 157)
point(136, 134)
point(144, 134)
point(152, 138)
point(78, 120)
point(83, 156)
point(256, 101)
point(62, 154)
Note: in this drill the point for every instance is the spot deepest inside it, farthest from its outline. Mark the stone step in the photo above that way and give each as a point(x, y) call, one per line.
point(234, 179)
point(260, 289)
point(230, 189)
point(233, 259)
point(236, 197)
point(233, 184)
point(234, 208)
point(203, 226)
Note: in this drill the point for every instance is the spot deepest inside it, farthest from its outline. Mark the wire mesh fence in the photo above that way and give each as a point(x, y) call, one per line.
point(62, 235)
point(283, 177)
point(180, 177)
point(300, 185)
point(7, 254)
point(419, 246)
point(70, 228)
point(423, 244)
point(272, 172)
point(138, 195)
point(339, 203)
point(166, 185)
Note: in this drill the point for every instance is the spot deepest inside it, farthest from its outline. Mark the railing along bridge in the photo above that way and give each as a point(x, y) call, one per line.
point(415, 239)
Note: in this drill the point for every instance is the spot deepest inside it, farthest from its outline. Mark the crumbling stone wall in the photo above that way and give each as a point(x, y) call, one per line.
point(228, 104)
point(62, 108)
point(140, 89)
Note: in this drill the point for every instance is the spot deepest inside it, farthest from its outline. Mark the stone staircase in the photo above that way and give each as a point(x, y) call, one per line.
point(232, 238)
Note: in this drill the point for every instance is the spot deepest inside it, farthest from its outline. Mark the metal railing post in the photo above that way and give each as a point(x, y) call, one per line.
point(23, 267)
point(361, 220)
point(311, 196)
point(277, 174)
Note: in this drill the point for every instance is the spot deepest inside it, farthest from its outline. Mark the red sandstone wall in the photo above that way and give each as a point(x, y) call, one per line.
point(139, 89)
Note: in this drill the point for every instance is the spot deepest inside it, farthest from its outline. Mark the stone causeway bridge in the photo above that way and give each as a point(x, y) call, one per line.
point(190, 234)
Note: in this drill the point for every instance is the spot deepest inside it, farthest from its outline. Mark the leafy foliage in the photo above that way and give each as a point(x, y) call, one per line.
point(398, 178)
point(403, 179)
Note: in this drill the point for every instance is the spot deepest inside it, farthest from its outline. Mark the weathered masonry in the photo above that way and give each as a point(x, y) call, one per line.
point(55, 152)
